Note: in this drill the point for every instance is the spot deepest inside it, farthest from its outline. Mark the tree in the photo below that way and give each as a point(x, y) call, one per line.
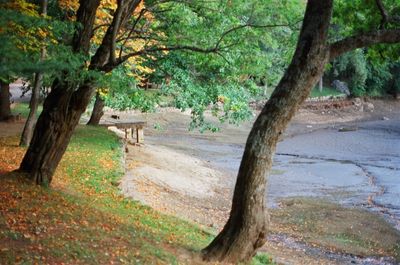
point(133, 62)
point(197, 80)
point(10, 54)
point(119, 90)
point(34, 102)
point(72, 90)
point(65, 103)
point(5, 109)
point(229, 81)
point(23, 34)
point(97, 111)
point(246, 228)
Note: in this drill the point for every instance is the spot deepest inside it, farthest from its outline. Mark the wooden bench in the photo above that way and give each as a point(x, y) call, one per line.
point(128, 127)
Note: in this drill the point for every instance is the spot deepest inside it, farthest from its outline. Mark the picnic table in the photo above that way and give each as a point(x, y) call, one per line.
point(129, 127)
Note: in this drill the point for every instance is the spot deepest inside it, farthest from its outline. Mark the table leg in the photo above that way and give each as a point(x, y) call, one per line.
point(139, 135)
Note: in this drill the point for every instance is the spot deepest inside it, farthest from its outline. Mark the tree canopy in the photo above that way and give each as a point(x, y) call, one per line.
point(204, 53)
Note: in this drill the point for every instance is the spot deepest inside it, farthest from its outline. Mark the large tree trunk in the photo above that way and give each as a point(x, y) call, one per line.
point(5, 109)
point(62, 110)
point(97, 112)
point(246, 228)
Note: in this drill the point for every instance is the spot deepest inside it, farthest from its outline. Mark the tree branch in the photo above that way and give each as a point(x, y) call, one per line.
point(109, 66)
point(248, 25)
point(216, 49)
point(98, 27)
point(364, 40)
point(85, 16)
point(116, 26)
point(384, 14)
point(142, 12)
point(386, 18)
point(103, 55)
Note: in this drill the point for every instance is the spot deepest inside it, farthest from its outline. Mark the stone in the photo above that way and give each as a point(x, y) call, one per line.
point(341, 87)
point(368, 106)
point(357, 102)
point(348, 129)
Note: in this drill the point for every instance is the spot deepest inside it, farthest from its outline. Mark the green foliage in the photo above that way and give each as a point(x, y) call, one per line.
point(16, 56)
point(120, 91)
point(367, 71)
point(395, 70)
point(379, 76)
point(248, 56)
point(23, 35)
point(352, 67)
point(229, 102)
point(365, 75)
point(262, 259)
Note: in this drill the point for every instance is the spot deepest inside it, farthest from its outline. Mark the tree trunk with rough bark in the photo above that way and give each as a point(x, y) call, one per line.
point(246, 228)
point(5, 109)
point(62, 110)
point(97, 112)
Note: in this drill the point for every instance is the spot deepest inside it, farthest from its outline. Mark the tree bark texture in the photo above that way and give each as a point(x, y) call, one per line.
point(246, 228)
point(97, 112)
point(61, 110)
point(5, 109)
point(34, 102)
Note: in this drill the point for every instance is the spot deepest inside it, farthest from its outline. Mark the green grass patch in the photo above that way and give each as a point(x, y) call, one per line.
point(83, 218)
point(23, 108)
point(262, 259)
point(326, 92)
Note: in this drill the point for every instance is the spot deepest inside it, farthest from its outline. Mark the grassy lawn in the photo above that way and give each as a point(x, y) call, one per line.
point(82, 218)
point(23, 108)
point(326, 92)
